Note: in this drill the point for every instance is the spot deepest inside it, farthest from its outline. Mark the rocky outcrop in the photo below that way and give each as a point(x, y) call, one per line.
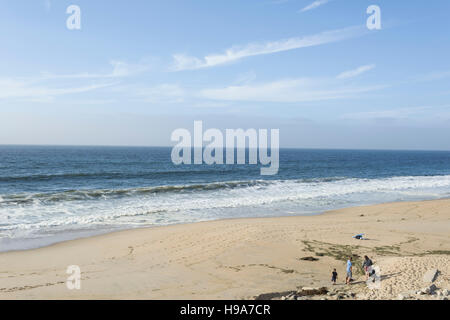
point(430, 275)
point(309, 259)
point(303, 294)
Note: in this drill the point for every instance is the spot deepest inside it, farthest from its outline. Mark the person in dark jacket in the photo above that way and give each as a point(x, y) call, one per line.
point(334, 276)
point(367, 265)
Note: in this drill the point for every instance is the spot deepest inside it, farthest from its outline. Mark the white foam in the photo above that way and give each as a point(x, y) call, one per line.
point(41, 218)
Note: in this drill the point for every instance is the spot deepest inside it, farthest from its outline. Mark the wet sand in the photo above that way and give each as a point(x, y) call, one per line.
point(241, 258)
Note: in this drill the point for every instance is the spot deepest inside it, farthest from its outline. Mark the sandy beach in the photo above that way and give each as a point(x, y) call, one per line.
point(243, 258)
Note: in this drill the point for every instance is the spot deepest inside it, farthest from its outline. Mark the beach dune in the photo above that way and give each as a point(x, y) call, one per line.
point(241, 258)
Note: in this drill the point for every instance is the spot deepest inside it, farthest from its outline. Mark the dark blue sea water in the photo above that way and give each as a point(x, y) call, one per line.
point(49, 194)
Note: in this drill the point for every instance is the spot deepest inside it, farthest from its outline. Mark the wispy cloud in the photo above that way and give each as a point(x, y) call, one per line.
point(245, 78)
point(401, 114)
point(314, 5)
point(288, 90)
point(165, 93)
point(162, 93)
point(185, 62)
point(244, 89)
point(212, 105)
point(29, 90)
point(433, 76)
point(356, 72)
point(46, 86)
point(119, 69)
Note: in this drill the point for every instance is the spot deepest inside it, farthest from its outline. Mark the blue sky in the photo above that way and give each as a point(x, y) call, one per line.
point(137, 70)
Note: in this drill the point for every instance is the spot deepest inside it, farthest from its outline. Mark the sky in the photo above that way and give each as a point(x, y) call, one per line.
point(137, 70)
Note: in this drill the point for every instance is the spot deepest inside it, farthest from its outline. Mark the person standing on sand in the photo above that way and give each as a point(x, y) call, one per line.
point(349, 271)
point(367, 265)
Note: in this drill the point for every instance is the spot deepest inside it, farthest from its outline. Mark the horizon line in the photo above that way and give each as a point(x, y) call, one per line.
point(155, 146)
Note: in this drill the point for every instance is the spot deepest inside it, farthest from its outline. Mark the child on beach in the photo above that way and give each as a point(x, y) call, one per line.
point(334, 276)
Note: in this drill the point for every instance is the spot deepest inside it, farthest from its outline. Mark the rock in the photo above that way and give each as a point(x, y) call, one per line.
point(432, 289)
point(425, 291)
point(309, 259)
point(405, 295)
point(274, 295)
point(430, 276)
point(308, 291)
point(428, 290)
point(302, 298)
point(445, 293)
point(402, 296)
point(283, 298)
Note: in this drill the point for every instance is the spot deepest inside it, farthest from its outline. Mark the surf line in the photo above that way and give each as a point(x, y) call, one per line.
point(235, 140)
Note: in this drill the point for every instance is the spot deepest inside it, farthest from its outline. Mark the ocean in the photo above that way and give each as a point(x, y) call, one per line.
point(51, 194)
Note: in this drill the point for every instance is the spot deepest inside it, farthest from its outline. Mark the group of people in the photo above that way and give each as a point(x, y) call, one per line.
point(367, 265)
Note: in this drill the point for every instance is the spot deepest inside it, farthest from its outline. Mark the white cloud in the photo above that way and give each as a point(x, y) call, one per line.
point(168, 93)
point(123, 69)
point(314, 5)
point(28, 90)
point(161, 93)
point(211, 105)
point(290, 90)
point(244, 89)
point(46, 86)
point(119, 69)
point(184, 62)
point(433, 76)
point(406, 114)
point(384, 114)
point(355, 72)
point(245, 78)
